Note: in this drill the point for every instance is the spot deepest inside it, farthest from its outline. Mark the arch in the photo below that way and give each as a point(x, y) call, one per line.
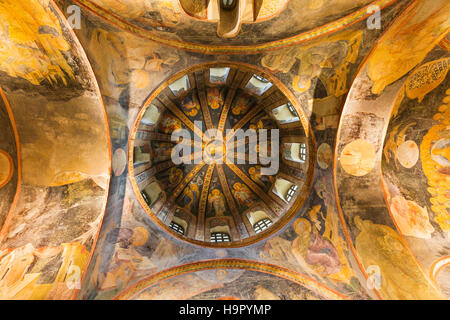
point(299, 278)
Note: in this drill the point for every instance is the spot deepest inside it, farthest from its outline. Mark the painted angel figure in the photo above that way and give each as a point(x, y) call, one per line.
point(214, 98)
point(255, 175)
point(191, 105)
point(217, 199)
point(170, 124)
point(243, 195)
point(190, 196)
point(175, 176)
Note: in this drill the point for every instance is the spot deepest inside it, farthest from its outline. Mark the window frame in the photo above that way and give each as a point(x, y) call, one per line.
point(290, 107)
point(303, 152)
point(177, 228)
point(225, 76)
point(291, 192)
point(219, 237)
point(262, 225)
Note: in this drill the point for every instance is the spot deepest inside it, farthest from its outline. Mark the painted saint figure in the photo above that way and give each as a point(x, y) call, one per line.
point(175, 177)
point(191, 106)
point(217, 199)
point(169, 124)
point(215, 100)
point(255, 175)
point(190, 196)
point(243, 195)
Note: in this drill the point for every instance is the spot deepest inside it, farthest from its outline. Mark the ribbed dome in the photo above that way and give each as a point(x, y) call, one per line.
point(213, 185)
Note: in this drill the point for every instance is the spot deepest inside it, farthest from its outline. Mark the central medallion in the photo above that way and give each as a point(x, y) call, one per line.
point(214, 150)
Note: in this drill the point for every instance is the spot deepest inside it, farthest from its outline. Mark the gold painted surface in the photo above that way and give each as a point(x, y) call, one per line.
point(31, 33)
point(22, 267)
point(379, 245)
point(419, 29)
point(6, 168)
point(173, 41)
point(358, 158)
point(435, 155)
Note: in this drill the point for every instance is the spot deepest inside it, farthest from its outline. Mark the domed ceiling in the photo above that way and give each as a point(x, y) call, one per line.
point(206, 156)
point(120, 177)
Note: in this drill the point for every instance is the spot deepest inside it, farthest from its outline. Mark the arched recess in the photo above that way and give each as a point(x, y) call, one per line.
point(51, 91)
point(394, 265)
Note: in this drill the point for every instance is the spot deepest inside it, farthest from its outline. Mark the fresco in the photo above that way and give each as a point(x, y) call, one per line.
point(315, 244)
point(418, 214)
point(324, 155)
point(169, 21)
point(60, 129)
point(366, 145)
point(136, 249)
point(358, 158)
point(435, 163)
point(227, 284)
point(33, 34)
point(424, 22)
point(108, 275)
point(328, 60)
point(392, 201)
point(8, 163)
point(402, 278)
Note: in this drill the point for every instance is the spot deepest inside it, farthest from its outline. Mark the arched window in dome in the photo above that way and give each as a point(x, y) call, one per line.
point(218, 229)
point(151, 115)
point(284, 189)
point(218, 75)
point(260, 79)
point(141, 154)
point(291, 192)
point(258, 85)
point(218, 237)
point(180, 85)
point(262, 225)
point(295, 152)
point(186, 220)
point(152, 193)
point(285, 113)
point(178, 228)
